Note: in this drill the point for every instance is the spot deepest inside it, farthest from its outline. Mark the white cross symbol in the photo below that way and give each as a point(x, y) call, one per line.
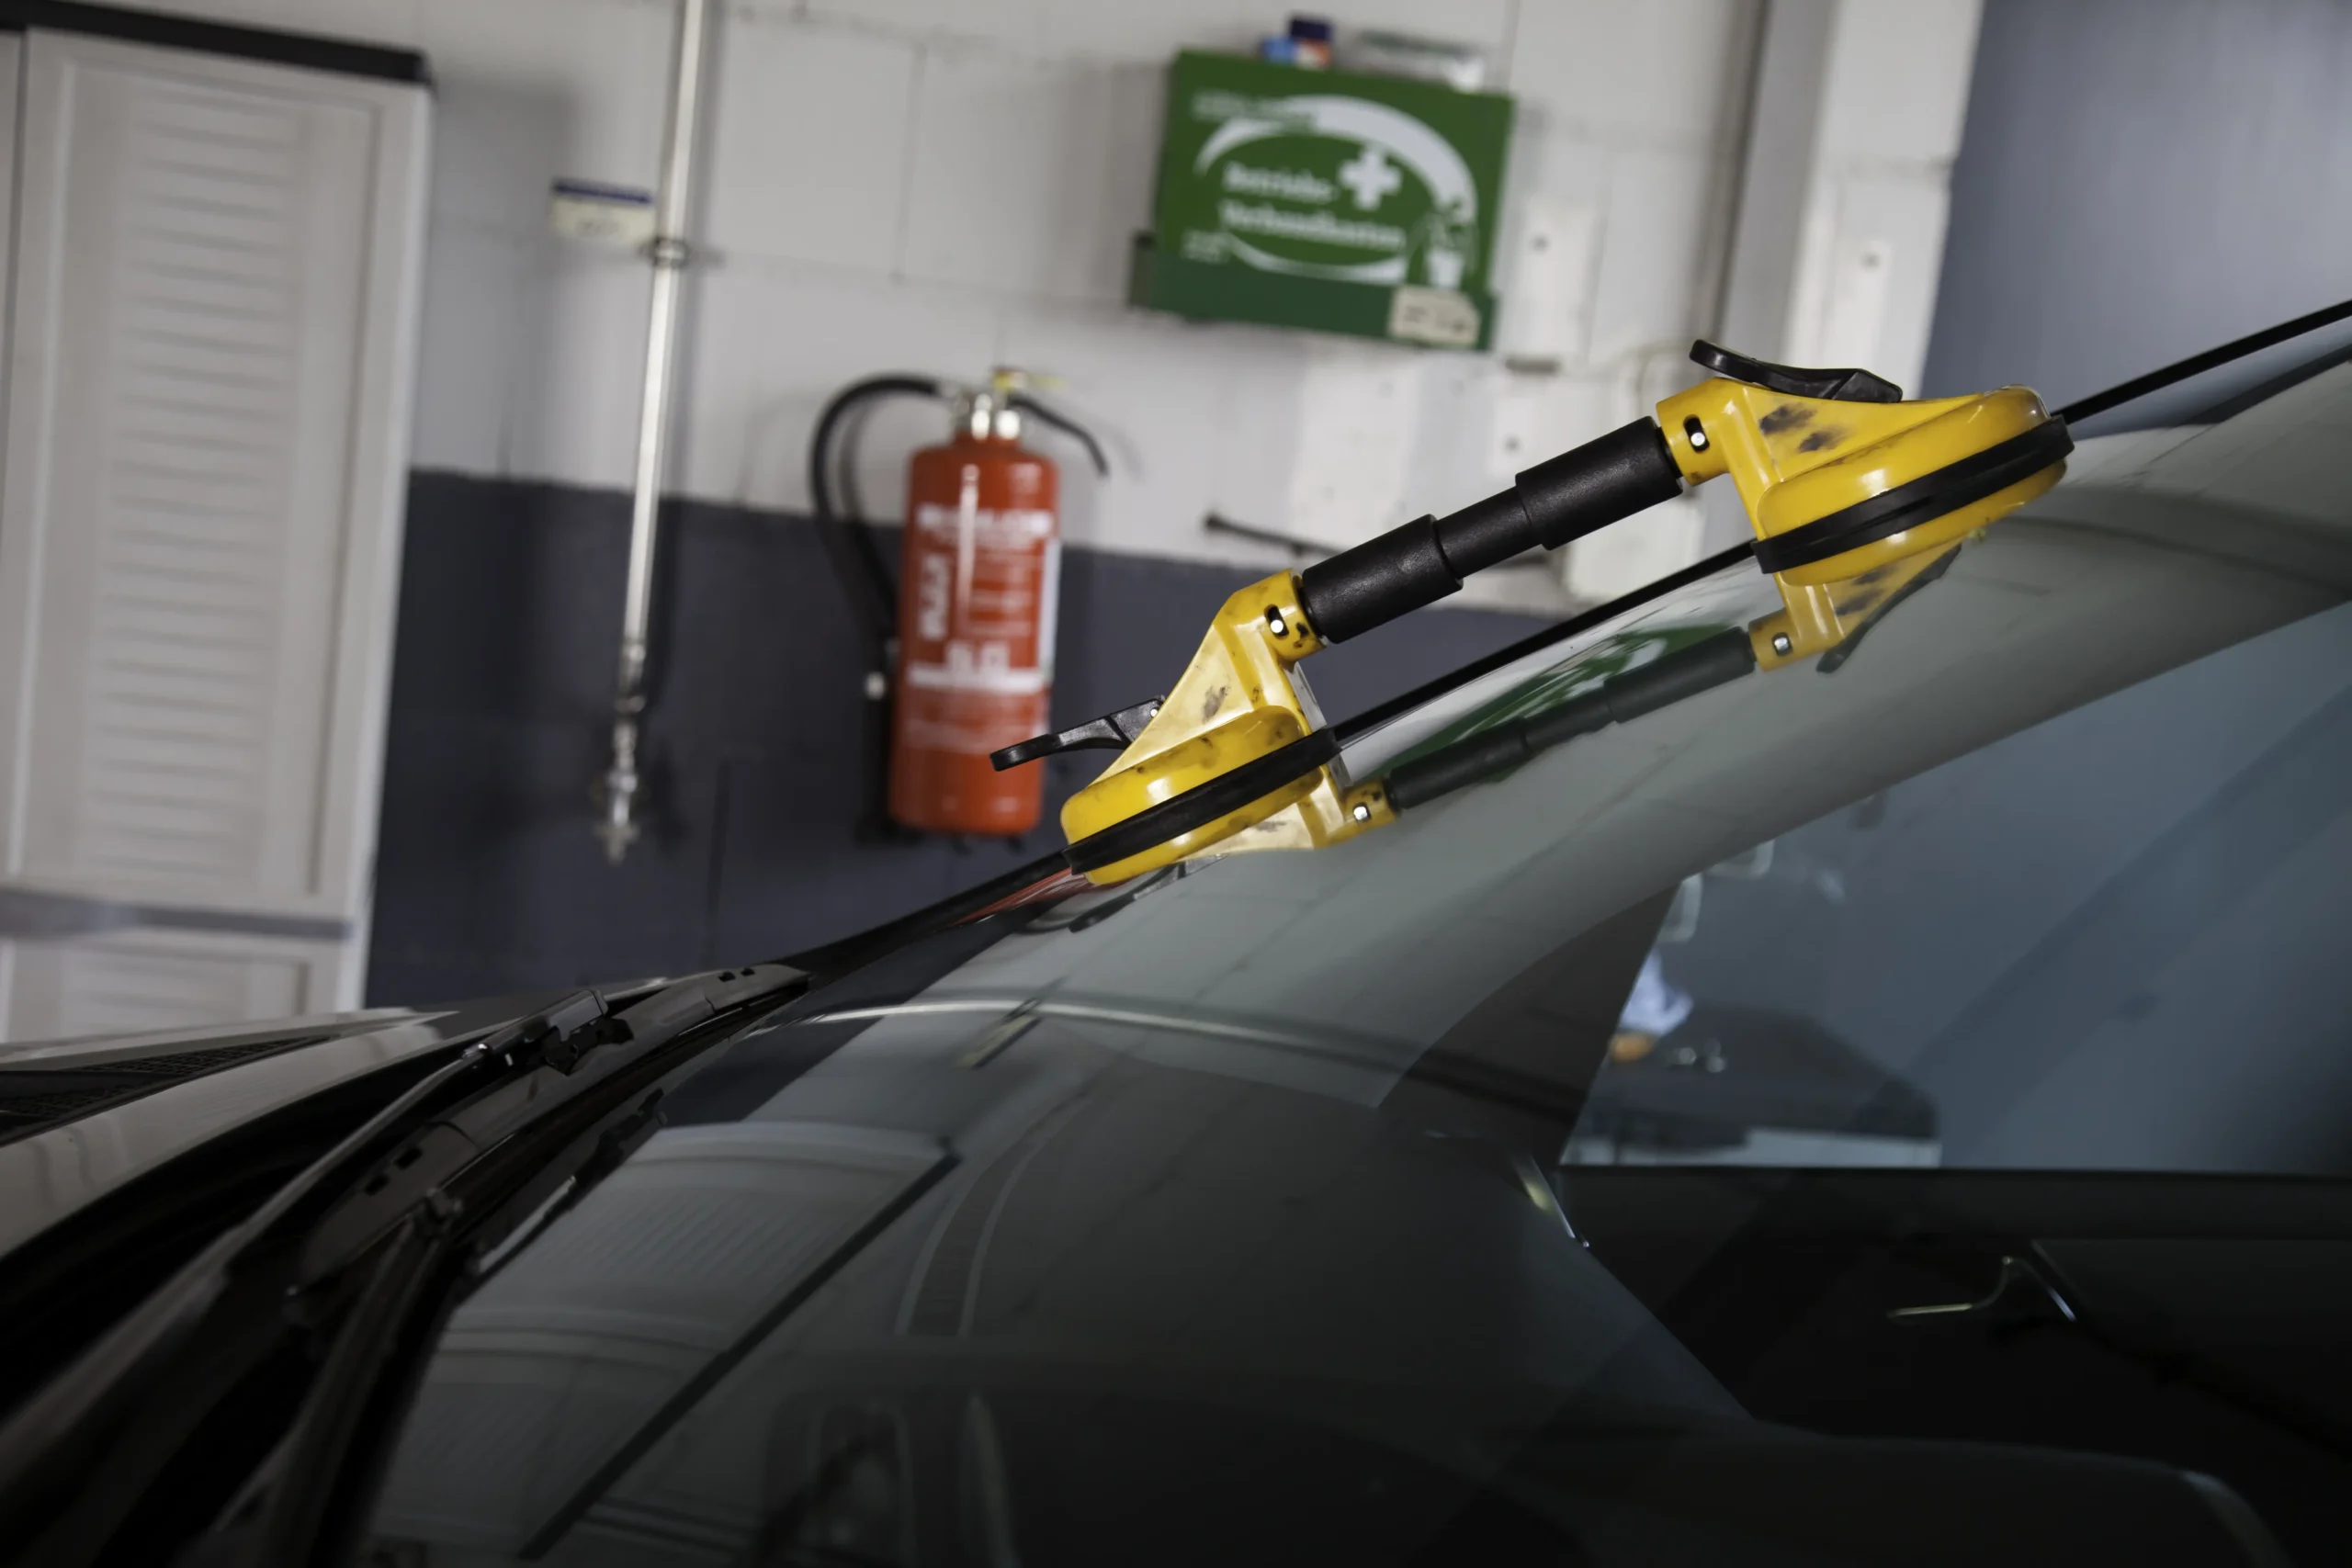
point(1371, 176)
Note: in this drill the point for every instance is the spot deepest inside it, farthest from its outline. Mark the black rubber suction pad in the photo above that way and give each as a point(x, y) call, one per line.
point(1203, 803)
point(1923, 499)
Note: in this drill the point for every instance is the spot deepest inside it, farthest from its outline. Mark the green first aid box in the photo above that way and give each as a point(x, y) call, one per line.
point(1367, 204)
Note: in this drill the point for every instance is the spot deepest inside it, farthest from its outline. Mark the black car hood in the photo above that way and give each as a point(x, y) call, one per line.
point(81, 1119)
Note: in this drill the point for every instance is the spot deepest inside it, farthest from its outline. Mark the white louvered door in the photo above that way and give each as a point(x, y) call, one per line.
point(213, 300)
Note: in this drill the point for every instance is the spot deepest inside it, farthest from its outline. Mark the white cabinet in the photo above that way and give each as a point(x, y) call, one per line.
point(211, 302)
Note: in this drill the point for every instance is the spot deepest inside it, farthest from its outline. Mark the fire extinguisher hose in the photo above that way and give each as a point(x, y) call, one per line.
point(866, 581)
point(1067, 425)
point(865, 577)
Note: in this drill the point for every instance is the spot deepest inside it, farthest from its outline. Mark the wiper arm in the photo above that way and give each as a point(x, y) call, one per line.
point(556, 1062)
point(404, 1197)
point(541, 1137)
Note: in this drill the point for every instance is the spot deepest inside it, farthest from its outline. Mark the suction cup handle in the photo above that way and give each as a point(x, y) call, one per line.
point(1114, 731)
point(1594, 485)
point(1852, 384)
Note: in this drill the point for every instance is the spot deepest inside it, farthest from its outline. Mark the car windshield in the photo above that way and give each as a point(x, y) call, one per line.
point(1877, 1113)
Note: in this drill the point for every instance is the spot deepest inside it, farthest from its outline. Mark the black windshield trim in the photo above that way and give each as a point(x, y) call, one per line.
point(2198, 364)
point(839, 957)
point(2096, 403)
point(2263, 391)
point(1583, 620)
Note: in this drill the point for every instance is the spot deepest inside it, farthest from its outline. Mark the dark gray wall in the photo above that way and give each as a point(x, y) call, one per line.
point(487, 879)
point(2140, 179)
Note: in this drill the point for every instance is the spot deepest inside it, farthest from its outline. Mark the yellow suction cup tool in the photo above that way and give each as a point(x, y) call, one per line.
point(1853, 492)
point(1235, 756)
point(1857, 498)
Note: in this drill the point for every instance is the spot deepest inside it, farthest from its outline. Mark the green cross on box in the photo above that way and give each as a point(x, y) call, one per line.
point(1367, 204)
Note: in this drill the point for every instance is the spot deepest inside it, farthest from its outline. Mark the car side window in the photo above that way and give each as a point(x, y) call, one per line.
point(2115, 941)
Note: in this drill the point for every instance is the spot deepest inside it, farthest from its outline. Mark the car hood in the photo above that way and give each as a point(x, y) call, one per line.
point(81, 1119)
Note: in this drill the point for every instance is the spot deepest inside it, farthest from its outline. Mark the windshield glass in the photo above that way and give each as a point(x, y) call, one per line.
point(1882, 1113)
point(2112, 941)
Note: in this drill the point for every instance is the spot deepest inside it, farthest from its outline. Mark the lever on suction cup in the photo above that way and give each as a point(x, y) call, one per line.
point(1114, 731)
point(1845, 386)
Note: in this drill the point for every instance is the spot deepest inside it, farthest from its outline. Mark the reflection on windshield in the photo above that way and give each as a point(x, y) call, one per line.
point(2134, 905)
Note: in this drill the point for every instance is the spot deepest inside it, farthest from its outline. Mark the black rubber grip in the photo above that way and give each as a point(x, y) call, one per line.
point(1598, 483)
point(1457, 766)
point(1665, 680)
point(1486, 533)
point(1684, 673)
point(1421, 562)
point(1376, 582)
point(1577, 715)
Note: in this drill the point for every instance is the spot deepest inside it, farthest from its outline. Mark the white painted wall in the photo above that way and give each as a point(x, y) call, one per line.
point(948, 185)
point(1895, 95)
point(1838, 244)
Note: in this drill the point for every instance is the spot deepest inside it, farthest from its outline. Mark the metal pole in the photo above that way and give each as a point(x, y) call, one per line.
point(668, 252)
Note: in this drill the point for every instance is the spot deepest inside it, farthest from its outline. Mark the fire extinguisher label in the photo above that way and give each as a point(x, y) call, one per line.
point(984, 604)
point(989, 530)
point(1049, 612)
point(962, 673)
point(976, 636)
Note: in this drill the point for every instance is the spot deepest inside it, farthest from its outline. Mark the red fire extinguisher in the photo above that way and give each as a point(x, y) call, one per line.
point(961, 647)
point(978, 580)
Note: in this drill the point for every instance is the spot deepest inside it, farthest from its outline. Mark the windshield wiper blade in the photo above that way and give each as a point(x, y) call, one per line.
point(79, 1461)
point(555, 1059)
point(583, 1093)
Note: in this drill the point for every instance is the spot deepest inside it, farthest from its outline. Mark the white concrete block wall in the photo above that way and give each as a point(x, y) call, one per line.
point(1895, 92)
point(946, 185)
